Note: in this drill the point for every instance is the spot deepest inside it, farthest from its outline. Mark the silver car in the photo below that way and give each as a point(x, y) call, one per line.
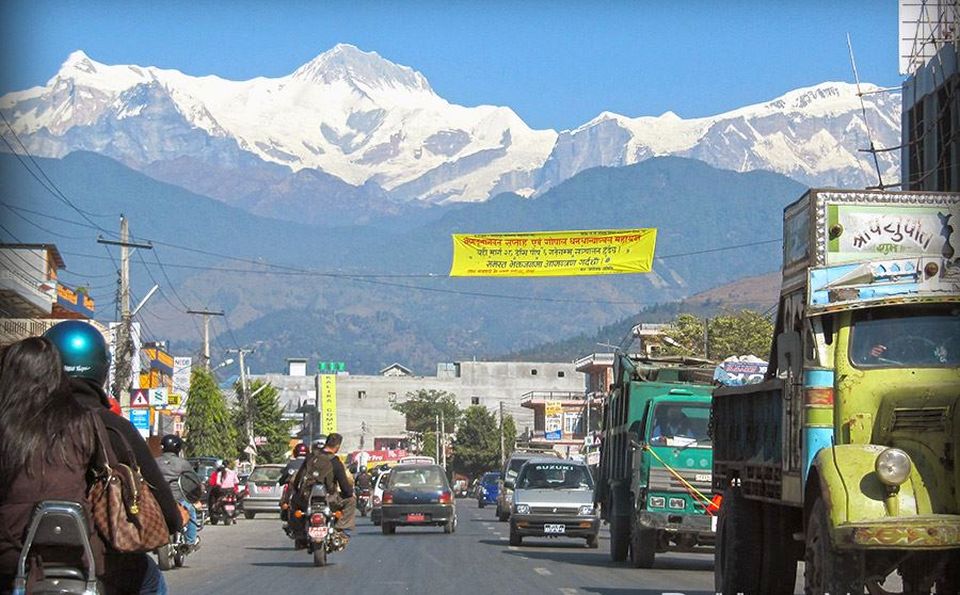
point(263, 493)
point(554, 498)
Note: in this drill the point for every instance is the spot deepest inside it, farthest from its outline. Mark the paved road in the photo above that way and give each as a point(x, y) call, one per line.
point(255, 556)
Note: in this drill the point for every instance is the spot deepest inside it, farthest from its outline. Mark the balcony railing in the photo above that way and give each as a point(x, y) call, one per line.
point(552, 395)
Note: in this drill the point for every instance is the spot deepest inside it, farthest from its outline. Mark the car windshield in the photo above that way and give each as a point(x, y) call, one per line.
point(514, 468)
point(564, 476)
point(269, 474)
point(906, 338)
point(681, 424)
point(427, 478)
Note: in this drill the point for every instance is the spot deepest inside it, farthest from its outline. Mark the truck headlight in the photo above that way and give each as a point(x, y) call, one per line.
point(586, 510)
point(522, 508)
point(893, 467)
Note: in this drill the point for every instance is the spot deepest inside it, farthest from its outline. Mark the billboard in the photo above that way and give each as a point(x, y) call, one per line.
point(553, 420)
point(328, 403)
point(182, 367)
point(553, 253)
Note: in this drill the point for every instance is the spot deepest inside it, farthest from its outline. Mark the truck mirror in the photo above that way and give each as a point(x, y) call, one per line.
point(634, 439)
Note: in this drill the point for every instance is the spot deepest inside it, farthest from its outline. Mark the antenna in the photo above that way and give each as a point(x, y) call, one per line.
point(863, 110)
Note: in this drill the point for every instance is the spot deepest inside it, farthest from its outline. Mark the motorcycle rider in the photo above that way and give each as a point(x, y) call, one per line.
point(300, 452)
point(324, 466)
point(363, 480)
point(86, 361)
point(173, 466)
point(223, 480)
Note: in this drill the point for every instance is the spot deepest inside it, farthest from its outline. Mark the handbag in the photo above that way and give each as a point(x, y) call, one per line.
point(125, 511)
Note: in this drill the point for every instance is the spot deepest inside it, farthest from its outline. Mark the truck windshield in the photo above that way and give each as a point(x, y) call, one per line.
point(681, 424)
point(906, 337)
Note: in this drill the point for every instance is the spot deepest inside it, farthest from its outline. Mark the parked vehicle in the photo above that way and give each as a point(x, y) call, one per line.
point(58, 524)
point(846, 456)
point(554, 498)
point(262, 491)
point(418, 495)
point(487, 489)
point(322, 537)
point(653, 482)
point(224, 509)
point(376, 499)
point(509, 474)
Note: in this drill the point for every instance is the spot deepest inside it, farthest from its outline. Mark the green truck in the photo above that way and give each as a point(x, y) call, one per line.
point(847, 455)
point(654, 477)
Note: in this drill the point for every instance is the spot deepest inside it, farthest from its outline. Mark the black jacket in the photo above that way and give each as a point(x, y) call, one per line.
point(92, 396)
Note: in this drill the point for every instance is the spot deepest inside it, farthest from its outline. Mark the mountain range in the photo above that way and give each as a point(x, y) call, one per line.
point(350, 136)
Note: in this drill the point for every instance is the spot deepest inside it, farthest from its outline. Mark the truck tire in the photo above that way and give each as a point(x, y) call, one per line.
point(826, 570)
point(739, 550)
point(643, 547)
point(778, 571)
point(619, 537)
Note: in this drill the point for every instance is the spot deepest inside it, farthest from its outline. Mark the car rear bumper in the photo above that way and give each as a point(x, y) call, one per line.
point(434, 514)
point(252, 504)
point(532, 524)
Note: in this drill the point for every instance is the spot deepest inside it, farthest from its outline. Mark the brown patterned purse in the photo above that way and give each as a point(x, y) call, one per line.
point(125, 511)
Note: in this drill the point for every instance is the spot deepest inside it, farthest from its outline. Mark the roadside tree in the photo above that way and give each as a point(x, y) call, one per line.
point(477, 447)
point(745, 332)
point(209, 428)
point(268, 423)
point(423, 407)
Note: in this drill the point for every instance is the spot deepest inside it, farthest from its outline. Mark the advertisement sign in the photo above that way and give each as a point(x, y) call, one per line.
point(553, 253)
point(140, 418)
point(158, 397)
point(553, 420)
point(328, 403)
point(737, 371)
point(857, 232)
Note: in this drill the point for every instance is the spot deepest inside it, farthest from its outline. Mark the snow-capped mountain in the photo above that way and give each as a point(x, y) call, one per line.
point(361, 131)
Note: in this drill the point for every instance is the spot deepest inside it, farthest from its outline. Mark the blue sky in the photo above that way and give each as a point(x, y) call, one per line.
point(557, 64)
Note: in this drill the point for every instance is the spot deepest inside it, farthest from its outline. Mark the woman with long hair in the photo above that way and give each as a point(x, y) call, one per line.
point(46, 443)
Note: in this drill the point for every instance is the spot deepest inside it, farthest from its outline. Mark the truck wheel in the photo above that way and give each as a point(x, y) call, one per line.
point(739, 550)
point(643, 547)
point(778, 572)
point(826, 570)
point(619, 537)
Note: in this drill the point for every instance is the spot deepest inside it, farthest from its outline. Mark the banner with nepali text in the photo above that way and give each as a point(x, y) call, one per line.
point(554, 253)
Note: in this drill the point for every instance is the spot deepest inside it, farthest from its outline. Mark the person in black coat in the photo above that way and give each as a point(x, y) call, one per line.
point(87, 361)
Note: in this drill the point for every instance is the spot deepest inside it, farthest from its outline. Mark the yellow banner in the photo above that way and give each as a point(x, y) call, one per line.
point(328, 403)
point(553, 253)
point(553, 408)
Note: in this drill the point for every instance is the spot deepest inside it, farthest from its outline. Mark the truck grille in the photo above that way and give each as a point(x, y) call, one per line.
point(554, 510)
point(662, 480)
point(927, 419)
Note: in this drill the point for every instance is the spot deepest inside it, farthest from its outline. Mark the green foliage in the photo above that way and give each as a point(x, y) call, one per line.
point(422, 407)
point(268, 422)
point(509, 435)
point(428, 447)
point(745, 332)
point(477, 447)
point(209, 428)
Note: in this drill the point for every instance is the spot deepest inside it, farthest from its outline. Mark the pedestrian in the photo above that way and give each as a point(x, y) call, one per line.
point(47, 444)
point(87, 363)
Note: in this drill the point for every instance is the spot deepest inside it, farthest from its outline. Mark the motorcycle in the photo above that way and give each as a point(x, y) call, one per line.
point(58, 524)
point(174, 553)
point(322, 535)
point(224, 508)
point(363, 501)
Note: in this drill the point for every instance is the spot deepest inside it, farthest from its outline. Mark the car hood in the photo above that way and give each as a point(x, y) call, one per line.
point(553, 497)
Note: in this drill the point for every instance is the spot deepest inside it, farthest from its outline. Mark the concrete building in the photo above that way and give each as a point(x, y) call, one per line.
point(363, 401)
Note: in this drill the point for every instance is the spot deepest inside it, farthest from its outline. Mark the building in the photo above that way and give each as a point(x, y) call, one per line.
point(32, 298)
point(929, 57)
point(363, 411)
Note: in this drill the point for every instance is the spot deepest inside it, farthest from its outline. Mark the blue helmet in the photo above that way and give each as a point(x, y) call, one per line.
point(82, 348)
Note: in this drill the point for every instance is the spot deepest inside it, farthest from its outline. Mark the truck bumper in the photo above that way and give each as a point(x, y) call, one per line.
point(700, 525)
point(926, 532)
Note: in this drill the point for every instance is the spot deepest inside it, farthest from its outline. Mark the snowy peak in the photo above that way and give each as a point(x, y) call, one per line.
point(347, 63)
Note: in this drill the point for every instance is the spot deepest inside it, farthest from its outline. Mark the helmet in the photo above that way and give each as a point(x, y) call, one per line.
point(171, 443)
point(363, 469)
point(319, 443)
point(82, 348)
point(300, 450)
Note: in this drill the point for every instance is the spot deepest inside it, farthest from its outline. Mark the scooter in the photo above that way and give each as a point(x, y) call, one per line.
point(363, 502)
point(322, 535)
point(58, 524)
point(224, 509)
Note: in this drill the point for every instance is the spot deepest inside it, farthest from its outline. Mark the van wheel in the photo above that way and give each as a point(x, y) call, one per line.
point(387, 528)
point(515, 538)
point(593, 542)
point(249, 514)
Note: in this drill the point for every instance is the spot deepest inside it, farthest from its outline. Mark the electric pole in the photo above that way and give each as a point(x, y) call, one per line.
point(502, 454)
point(436, 437)
point(206, 332)
point(246, 403)
point(123, 342)
point(706, 338)
point(443, 440)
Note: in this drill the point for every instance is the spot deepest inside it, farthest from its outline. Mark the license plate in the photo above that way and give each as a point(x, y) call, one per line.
point(317, 533)
point(416, 517)
point(230, 507)
point(263, 489)
point(713, 523)
point(554, 529)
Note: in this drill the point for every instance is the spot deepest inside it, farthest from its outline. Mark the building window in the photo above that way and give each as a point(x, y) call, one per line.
point(533, 372)
point(361, 394)
point(571, 423)
point(391, 395)
point(561, 374)
point(474, 400)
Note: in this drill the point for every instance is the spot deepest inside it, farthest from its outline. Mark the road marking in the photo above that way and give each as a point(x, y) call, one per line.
point(568, 591)
point(542, 571)
point(513, 547)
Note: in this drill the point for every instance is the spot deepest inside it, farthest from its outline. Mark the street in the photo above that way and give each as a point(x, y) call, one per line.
point(254, 556)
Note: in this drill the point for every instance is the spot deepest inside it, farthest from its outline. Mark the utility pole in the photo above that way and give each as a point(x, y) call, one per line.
point(206, 332)
point(502, 454)
point(443, 440)
point(436, 437)
point(246, 402)
point(123, 346)
point(706, 338)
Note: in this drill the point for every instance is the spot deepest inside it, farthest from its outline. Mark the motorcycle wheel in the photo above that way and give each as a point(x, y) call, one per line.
point(214, 520)
point(320, 555)
point(164, 560)
point(178, 559)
